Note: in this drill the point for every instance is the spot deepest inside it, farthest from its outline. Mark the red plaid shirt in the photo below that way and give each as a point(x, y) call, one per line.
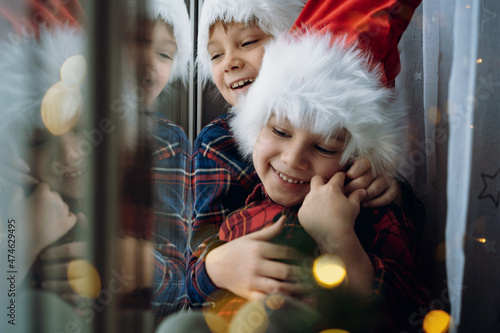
point(387, 235)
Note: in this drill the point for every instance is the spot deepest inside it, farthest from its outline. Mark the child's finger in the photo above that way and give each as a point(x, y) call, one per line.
point(359, 167)
point(282, 252)
point(270, 232)
point(73, 250)
point(338, 180)
point(55, 271)
point(358, 196)
point(317, 181)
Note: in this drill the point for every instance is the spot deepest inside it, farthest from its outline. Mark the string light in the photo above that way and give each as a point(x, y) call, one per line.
point(329, 270)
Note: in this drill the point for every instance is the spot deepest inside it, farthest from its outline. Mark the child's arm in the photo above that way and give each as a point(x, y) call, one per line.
point(245, 266)
point(43, 216)
point(328, 216)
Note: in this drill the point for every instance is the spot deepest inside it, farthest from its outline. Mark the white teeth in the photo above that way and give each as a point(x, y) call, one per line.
point(74, 174)
point(290, 180)
point(241, 83)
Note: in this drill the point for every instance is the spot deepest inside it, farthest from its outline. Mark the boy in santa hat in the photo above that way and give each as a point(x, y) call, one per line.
point(231, 40)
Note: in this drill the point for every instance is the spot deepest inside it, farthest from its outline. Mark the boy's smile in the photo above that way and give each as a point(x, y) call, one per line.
point(286, 158)
point(236, 53)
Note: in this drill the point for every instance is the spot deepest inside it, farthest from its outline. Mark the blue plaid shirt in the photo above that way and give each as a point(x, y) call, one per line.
point(170, 182)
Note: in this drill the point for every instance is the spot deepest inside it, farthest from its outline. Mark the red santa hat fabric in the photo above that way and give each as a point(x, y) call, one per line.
point(26, 17)
point(376, 25)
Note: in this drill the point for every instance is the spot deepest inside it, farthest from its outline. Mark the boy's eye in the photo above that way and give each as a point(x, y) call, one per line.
point(215, 56)
point(280, 132)
point(250, 42)
point(38, 142)
point(326, 151)
point(165, 56)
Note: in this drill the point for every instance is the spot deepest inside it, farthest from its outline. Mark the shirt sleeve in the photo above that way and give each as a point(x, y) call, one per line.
point(221, 182)
point(170, 178)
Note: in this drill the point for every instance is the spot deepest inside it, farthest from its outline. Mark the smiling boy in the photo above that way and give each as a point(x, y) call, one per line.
point(231, 43)
point(301, 138)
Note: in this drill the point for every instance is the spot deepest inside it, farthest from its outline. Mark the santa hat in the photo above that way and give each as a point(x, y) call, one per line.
point(26, 17)
point(333, 74)
point(174, 13)
point(375, 25)
point(29, 70)
point(272, 17)
point(326, 85)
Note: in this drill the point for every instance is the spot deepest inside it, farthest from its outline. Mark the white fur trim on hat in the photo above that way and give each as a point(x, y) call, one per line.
point(29, 68)
point(174, 12)
point(322, 84)
point(272, 16)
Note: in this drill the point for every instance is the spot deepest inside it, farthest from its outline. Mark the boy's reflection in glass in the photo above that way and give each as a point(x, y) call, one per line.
point(164, 52)
point(53, 173)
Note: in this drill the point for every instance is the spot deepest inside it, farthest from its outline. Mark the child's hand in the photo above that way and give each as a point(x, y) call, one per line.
point(14, 170)
point(54, 266)
point(381, 190)
point(328, 216)
point(327, 212)
point(44, 215)
point(246, 266)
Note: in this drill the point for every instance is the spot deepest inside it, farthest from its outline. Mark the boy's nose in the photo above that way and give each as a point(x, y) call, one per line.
point(295, 158)
point(70, 150)
point(232, 62)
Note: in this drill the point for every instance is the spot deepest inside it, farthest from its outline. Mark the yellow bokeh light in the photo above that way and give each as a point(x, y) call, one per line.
point(275, 302)
point(61, 108)
point(334, 330)
point(215, 323)
point(479, 60)
point(440, 252)
point(481, 240)
point(73, 70)
point(251, 317)
point(434, 115)
point(83, 278)
point(437, 321)
point(329, 271)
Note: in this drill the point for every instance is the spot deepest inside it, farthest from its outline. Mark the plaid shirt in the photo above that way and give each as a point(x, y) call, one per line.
point(170, 178)
point(221, 182)
point(387, 235)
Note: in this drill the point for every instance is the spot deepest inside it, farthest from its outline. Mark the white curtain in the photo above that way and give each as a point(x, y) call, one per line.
point(451, 79)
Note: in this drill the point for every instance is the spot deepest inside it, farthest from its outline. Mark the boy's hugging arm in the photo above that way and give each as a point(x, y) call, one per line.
point(221, 180)
point(390, 241)
point(198, 284)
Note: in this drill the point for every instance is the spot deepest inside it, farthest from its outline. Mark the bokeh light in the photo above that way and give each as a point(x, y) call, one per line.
point(437, 321)
point(62, 103)
point(334, 330)
point(434, 115)
point(73, 70)
point(215, 323)
point(440, 253)
point(329, 270)
point(481, 240)
point(61, 108)
point(251, 317)
point(83, 278)
point(275, 302)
